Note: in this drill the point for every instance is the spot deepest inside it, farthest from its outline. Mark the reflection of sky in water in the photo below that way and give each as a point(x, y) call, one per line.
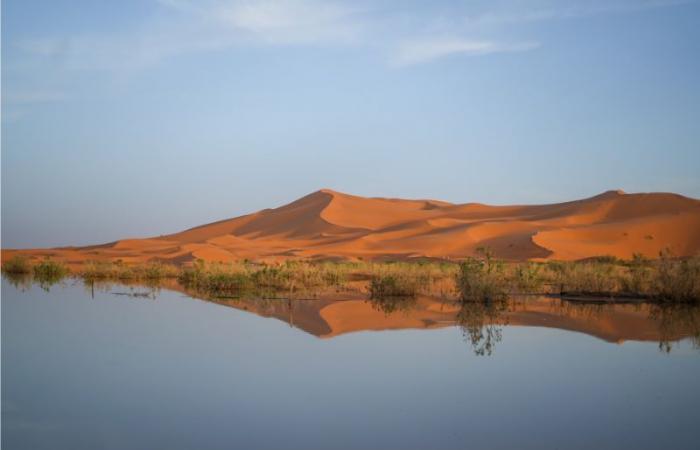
point(121, 372)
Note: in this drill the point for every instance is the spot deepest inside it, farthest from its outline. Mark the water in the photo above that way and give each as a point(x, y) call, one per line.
point(84, 370)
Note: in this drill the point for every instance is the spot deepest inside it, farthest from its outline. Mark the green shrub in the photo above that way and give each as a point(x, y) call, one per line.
point(18, 264)
point(479, 280)
point(216, 278)
point(392, 286)
point(528, 277)
point(603, 259)
point(677, 280)
point(586, 278)
point(49, 272)
point(157, 270)
point(638, 279)
point(107, 270)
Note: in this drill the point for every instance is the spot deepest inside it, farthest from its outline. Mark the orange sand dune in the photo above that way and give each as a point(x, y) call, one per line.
point(332, 225)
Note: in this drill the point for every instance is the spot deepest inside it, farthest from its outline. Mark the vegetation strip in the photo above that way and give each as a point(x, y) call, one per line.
point(475, 279)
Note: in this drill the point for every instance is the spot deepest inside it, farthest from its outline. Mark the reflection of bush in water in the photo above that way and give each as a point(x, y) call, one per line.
point(135, 288)
point(674, 320)
point(481, 323)
point(389, 305)
point(579, 310)
point(48, 272)
point(21, 281)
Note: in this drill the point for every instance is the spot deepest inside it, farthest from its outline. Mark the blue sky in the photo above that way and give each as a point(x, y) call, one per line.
point(136, 118)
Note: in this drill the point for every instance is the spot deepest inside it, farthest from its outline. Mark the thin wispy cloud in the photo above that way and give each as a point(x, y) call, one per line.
point(292, 22)
point(274, 22)
point(567, 10)
point(405, 37)
point(423, 51)
point(196, 26)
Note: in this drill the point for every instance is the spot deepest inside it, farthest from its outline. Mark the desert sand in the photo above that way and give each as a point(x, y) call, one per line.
point(330, 225)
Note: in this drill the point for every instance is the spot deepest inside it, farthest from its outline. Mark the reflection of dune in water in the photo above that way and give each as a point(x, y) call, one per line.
point(342, 313)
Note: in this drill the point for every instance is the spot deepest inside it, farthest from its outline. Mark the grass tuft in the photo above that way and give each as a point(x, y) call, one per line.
point(667, 279)
point(386, 286)
point(18, 264)
point(482, 279)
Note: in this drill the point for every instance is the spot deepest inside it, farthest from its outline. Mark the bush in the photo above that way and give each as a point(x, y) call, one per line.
point(603, 259)
point(18, 264)
point(216, 279)
point(586, 278)
point(48, 271)
point(528, 278)
point(107, 270)
point(156, 271)
point(480, 280)
point(425, 277)
point(638, 279)
point(392, 286)
point(677, 280)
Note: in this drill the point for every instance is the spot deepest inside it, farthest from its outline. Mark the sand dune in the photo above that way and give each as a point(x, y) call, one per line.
point(332, 225)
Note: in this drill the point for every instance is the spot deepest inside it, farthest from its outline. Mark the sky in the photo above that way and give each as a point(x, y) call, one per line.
point(145, 117)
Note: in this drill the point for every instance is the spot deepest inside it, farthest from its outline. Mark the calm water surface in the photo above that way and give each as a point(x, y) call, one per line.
point(105, 371)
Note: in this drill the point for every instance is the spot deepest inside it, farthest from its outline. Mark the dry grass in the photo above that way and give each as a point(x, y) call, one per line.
point(476, 279)
point(105, 270)
point(482, 279)
point(18, 264)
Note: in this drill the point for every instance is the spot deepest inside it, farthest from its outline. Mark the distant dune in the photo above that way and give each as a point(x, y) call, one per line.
point(332, 225)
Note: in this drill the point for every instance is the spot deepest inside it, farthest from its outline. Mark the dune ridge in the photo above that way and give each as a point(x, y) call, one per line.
point(331, 225)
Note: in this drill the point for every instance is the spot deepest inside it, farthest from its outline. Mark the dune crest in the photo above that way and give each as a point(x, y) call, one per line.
point(332, 225)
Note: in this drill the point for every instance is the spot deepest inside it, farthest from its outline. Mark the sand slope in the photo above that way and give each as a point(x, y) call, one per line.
point(332, 225)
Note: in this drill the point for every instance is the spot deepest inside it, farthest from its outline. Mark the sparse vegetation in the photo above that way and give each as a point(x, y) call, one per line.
point(677, 281)
point(587, 278)
point(639, 275)
point(236, 278)
point(50, 270)
point(18, 264)
point(216, 277)
point(481, 279)
point(408, 279)
point(666, 279)
point(385, 286)
point(106, 270)
point(528, 277)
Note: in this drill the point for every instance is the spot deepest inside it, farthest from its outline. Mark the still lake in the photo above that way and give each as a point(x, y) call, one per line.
point(129, 368)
